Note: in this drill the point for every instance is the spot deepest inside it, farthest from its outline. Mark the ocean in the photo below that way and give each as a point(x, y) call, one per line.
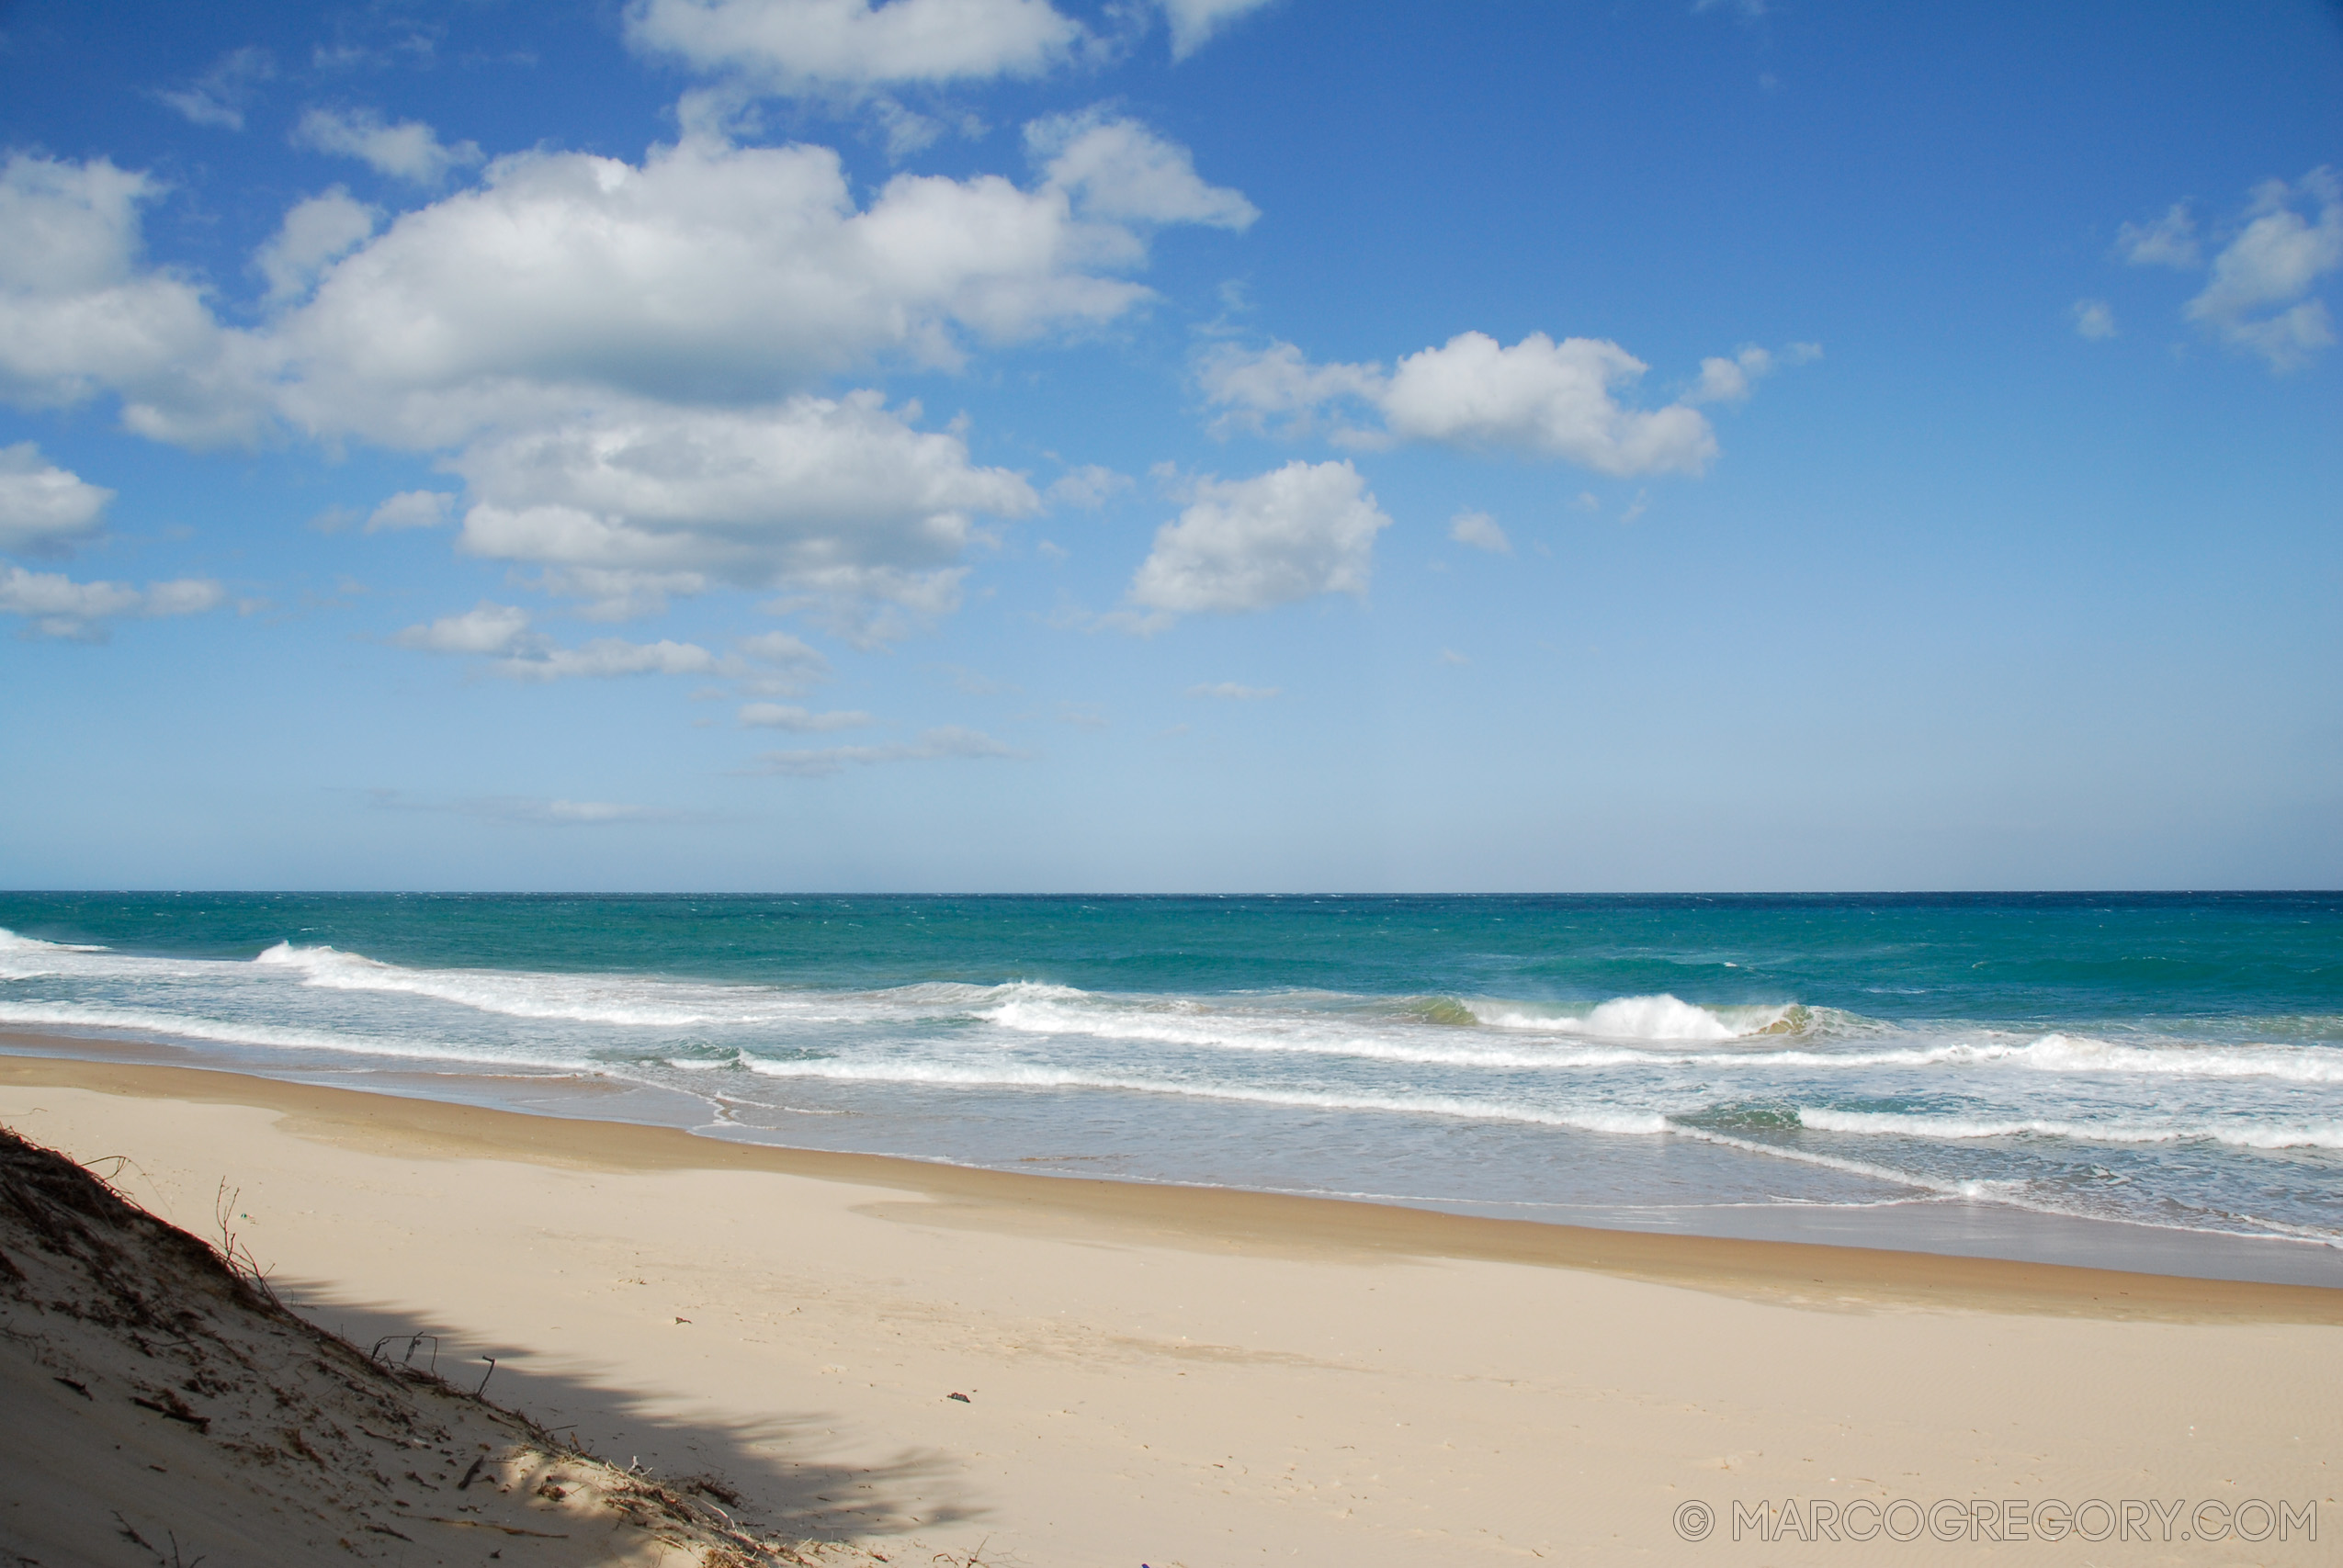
point(2138, 1080)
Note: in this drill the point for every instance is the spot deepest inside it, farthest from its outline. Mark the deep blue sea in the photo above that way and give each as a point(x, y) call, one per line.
point(1973, 1072)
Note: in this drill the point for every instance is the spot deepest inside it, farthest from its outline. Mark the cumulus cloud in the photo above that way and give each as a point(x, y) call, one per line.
point(1195, 21)
point(484, 628)
point(839, 498)
point(1544, 398)
point(217, 97)
point(851, 46)
point(1480, 530)
point(2094, 319)
point(619, 358)
point(933, 744)
point(79, 313)
point(1723, 380)
point(502, 634)
point(1118, 169)
point(413, 509)
point(1290, 533)
point(2257, 300)
point(707, 273)
point(1254, 386)
point(315, 232)
point(1231, 691)
point(409, 151)
point(2170, 241)
point(44, 509)
point(56, 606)
point(2259, 297)
point(1539, 397)
point(801, 721)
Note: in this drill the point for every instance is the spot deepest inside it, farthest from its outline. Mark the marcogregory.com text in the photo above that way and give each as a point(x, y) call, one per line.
point(1864, 1519)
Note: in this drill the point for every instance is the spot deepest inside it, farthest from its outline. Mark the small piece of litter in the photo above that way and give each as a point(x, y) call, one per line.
point(961, 1397)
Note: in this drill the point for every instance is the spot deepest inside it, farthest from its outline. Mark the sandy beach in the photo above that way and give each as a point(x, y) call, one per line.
point(1179, 1376)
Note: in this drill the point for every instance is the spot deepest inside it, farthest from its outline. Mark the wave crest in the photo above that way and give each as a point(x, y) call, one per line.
point(1663, 1017)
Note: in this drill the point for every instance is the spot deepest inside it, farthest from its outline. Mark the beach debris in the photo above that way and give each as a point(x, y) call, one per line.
point(961, 1397)
point(174, 1409)
point(713, 1488)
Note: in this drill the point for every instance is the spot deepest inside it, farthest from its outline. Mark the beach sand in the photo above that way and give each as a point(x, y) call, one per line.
point(1176, 1376)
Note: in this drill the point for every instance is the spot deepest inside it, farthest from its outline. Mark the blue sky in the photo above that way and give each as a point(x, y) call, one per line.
point(1175, 445)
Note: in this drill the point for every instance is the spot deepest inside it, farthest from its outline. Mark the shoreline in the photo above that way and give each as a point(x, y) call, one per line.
point(1789, 1271)
point(924, 1361)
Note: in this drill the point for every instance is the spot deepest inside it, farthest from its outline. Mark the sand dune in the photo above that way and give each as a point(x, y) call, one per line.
point(164, 1407)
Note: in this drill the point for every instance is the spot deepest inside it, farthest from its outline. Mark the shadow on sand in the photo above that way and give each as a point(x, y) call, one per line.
point(770, 1474)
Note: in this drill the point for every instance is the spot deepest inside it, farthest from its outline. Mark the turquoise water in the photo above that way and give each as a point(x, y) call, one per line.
point(1737, 1064)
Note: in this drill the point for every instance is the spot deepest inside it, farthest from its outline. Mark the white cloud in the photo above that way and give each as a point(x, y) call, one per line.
point(2171, 241)
point(840, 499)
point(217, 97)
point(708, 273)
point(485, 629)
point(1545, 397)
point(317, 231)
point(617, 357)
point(2256, 299)
point(2094, 319)
point(1195, 21)
point(1230, 692)
point(790, 665)
point(1118, 169)
point(1481, 531)
point(801, 721)
point(947, 742)
point(1092, 485)
point(413, 509)
point(1732, 381)
point(847, 46)
point(57, 606)
point(606, 657)
point(409, 151)
point(1540, 397)
point(1292, 533)
point(502, 634)
point(1453, 659)
point(1253, 387)
point(43, 508)
point(78, 313)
